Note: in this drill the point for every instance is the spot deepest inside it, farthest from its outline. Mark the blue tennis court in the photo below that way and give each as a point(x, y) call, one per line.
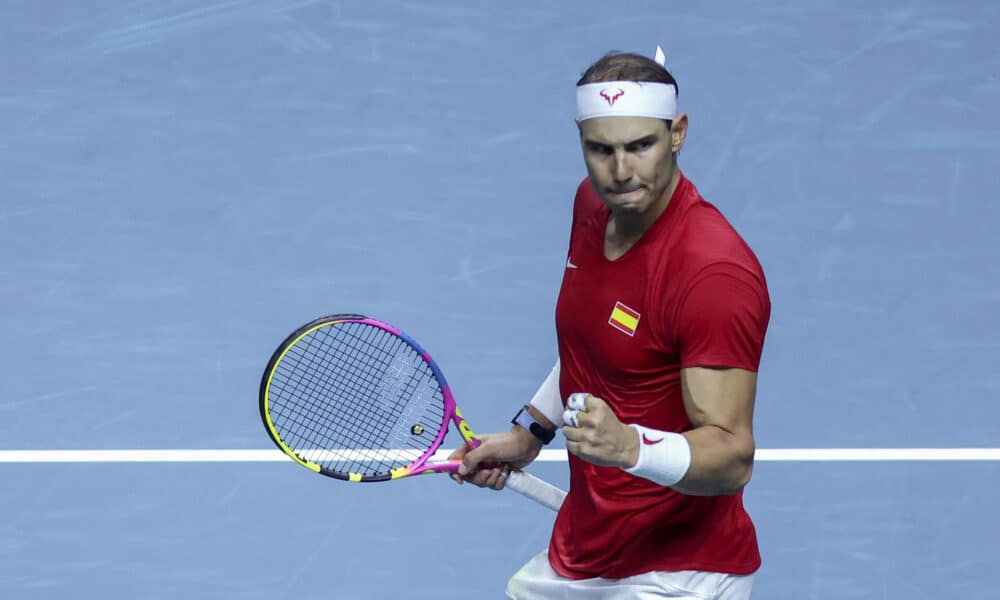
point(186, 182)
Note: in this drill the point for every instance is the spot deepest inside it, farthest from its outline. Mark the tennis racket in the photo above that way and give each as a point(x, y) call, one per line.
point(356, 399)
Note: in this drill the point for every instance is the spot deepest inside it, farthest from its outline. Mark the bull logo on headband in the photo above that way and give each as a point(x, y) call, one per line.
point(612, 95)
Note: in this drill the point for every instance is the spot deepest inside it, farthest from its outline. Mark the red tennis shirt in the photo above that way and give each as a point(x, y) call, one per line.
point(689, 293)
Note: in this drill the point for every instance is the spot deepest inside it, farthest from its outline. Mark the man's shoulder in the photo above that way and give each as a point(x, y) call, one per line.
point(707, 241)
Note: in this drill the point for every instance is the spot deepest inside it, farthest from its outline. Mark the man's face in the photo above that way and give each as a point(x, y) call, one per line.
point(630, 160)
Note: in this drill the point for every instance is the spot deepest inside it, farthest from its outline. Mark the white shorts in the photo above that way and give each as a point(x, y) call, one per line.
point(537, 581)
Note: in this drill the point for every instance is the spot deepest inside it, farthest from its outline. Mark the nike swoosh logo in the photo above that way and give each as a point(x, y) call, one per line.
point(649, 442)
point(569, 264)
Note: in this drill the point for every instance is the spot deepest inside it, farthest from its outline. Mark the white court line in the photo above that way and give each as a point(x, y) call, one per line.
point(764, 455)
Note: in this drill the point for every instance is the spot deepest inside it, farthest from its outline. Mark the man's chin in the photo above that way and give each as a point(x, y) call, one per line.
point(627, 206)
point(631, 202)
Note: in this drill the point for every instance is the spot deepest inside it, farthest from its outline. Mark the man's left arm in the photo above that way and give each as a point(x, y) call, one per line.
point(719, 403)
point(713, 458)
point(723, 321)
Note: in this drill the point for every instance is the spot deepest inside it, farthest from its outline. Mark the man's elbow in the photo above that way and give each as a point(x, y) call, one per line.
point(742, 469)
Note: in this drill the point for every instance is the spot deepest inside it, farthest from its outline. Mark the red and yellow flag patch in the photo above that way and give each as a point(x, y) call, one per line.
point(624, 319)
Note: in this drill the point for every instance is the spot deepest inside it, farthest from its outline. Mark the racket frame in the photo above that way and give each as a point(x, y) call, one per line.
point(419, 466)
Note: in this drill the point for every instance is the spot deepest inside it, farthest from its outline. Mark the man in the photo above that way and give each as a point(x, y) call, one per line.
point(661, 321)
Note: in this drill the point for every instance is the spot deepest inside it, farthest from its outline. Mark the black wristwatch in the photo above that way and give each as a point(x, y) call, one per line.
point(524, 419)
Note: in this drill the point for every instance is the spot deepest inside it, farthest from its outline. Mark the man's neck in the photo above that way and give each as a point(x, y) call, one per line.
point(624, 231)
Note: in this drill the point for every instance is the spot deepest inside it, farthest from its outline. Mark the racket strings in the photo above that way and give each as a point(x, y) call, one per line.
point(308, 417)
point(355, 399)
point(374, 430)
point(314, 414)
point(312, 377)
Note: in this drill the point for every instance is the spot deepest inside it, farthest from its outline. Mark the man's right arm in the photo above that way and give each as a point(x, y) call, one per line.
point(516, 448)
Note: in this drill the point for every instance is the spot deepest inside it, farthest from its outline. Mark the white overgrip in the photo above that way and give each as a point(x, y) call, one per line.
point(536, 489)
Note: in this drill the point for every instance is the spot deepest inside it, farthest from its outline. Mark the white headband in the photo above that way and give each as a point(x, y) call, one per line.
point(627, 98)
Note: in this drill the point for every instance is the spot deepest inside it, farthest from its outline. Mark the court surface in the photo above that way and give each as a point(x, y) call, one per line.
point(185, 182)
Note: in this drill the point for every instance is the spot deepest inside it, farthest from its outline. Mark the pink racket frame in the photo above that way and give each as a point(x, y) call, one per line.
point(423, 464)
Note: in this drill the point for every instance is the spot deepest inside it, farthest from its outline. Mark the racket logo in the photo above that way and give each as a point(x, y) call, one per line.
point(463, 426)
point(611, 95)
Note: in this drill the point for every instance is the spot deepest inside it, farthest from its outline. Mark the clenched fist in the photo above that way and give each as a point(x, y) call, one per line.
point(594, 433)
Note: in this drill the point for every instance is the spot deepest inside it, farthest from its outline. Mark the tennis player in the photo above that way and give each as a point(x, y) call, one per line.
point(661, 320)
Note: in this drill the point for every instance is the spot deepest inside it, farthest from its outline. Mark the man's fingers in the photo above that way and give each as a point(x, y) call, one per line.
point(483, 459)
point(488, 478)
point(504, 473)
point(458, 453)
point(573, 434)
point(489, 464)
point(576, 405)
point(573, 448)
point(480, 468)
point(470, 460)
point(498, 478)
point(578, 401)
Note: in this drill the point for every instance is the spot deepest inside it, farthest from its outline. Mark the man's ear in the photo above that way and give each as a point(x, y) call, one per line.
point(678, 132)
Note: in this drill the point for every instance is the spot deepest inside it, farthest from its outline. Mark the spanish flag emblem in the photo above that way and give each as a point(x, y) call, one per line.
point(624, 319)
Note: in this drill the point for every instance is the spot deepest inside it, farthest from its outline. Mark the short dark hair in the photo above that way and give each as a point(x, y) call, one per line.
point(627, 66)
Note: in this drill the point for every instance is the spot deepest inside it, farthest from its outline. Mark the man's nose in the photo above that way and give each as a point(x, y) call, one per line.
point(621, 169)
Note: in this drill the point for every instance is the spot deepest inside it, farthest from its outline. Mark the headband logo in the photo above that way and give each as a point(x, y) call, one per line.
point(612, 95)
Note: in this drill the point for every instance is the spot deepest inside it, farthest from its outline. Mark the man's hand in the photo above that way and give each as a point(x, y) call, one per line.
point(594, 433)
point(490, 463)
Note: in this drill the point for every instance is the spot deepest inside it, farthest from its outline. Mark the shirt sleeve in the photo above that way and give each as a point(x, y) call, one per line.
point(722, 319)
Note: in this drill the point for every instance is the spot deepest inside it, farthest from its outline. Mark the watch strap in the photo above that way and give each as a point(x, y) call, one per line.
point(524, 419)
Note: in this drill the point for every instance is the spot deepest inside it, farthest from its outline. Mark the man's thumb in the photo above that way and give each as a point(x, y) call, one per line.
point(470, 461)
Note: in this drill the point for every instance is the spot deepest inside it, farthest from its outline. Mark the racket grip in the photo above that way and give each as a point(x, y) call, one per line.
point(534, 488)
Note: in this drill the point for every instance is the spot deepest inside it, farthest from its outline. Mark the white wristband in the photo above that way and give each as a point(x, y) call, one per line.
point(664, 457)
point(547, 399)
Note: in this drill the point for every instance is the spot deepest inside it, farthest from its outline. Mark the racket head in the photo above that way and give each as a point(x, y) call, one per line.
point(353, 398)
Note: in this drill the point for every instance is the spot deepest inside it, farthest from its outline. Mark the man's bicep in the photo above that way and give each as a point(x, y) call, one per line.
point(721, 397)
point(719, 402)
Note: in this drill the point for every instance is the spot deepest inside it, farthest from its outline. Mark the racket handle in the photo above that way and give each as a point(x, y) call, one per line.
point(532, 487)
